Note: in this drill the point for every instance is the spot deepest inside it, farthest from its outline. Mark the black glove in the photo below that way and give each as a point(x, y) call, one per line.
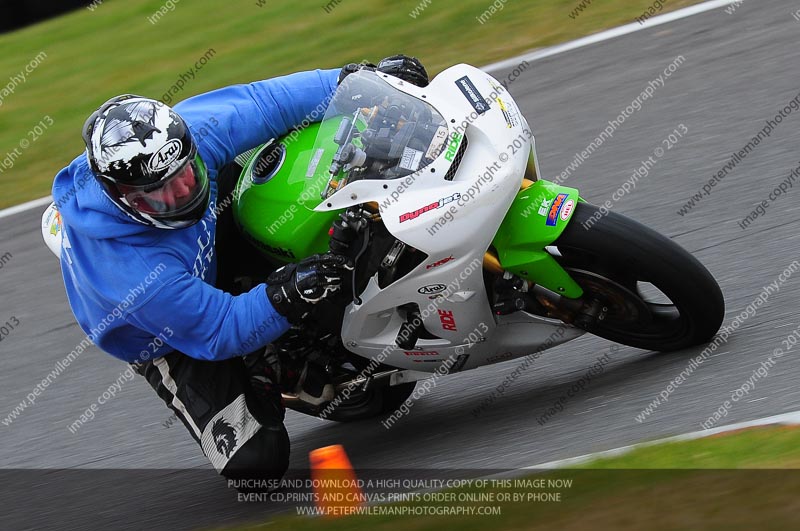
point(400, 66)
point(294, 289)
point(406, 68)
point(349, 68)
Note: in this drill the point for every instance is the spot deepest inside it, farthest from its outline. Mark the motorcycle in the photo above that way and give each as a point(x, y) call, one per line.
point(463, 256)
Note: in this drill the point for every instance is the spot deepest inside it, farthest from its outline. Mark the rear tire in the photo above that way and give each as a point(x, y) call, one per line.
point(615, 259)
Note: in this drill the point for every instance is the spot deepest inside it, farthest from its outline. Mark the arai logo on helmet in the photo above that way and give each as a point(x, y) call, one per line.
point(165, 156)
point(431, 289)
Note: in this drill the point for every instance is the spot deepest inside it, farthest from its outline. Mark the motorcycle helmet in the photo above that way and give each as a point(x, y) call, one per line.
point(142, 153)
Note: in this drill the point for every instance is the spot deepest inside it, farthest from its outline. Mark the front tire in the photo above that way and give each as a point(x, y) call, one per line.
point(619, 262)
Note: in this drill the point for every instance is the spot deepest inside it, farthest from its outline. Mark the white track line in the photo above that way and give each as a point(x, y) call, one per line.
point(42, 201)
point(613, 33)
point(514, 61)
point(792, 417)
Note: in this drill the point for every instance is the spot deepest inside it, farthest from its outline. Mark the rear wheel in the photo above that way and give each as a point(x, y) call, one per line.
point(654, 294)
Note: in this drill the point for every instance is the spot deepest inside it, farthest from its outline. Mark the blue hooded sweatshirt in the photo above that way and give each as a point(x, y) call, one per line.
point(140, 292)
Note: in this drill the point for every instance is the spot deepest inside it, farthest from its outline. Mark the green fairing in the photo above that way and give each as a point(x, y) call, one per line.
point(278, 216)
point(522, 237)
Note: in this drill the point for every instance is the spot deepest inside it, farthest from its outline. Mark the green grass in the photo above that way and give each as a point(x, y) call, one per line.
point(92, 56)
point(774, 447)
point(686, 485)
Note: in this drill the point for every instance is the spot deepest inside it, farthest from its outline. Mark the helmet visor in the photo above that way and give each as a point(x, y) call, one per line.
point(172, 197)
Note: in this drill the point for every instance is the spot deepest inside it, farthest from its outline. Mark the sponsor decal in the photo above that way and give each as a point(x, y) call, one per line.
point(439, 262)
point(280, 251)
point(421, 353)
point(165, 156)
point(437, 143)
point(224, 437)
point(544, 207)
point(431, 289)
point(567, 210)
point(448, 321)
point(555, 209)
point(509, 113)
point(470, 91)
point(410, 159)
point(452, 146)
point(427, 208)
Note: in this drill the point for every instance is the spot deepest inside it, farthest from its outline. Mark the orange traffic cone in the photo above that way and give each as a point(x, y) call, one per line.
point(338, 491)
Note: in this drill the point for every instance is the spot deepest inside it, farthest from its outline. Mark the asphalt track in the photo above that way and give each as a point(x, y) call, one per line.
point(739, 70)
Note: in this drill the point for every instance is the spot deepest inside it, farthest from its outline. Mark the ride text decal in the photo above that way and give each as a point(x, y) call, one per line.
point(452, 146)
point(448, 321)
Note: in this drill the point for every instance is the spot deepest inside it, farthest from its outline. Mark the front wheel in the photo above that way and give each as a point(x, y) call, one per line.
point(654, 295)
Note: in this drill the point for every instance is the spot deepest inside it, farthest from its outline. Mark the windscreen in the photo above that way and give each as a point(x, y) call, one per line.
point(371, 130)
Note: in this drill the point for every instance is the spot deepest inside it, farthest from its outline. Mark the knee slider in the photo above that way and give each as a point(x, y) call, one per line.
point(264, 456)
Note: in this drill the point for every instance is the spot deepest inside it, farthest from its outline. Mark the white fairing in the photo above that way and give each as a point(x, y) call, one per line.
point(453, 222)
point(52, 229)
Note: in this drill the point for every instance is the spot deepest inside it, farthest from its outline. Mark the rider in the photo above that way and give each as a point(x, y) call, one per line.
point(140, 213)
